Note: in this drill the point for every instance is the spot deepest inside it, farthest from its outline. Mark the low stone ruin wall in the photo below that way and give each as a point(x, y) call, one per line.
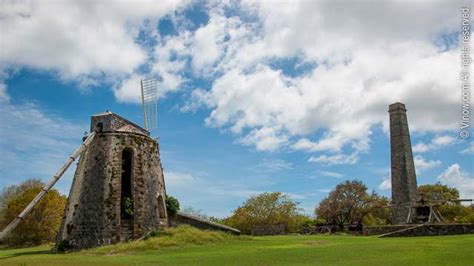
point(320, 229)
point(434, 230)
point(269, 230)
point(184, 218)
point(383, 229)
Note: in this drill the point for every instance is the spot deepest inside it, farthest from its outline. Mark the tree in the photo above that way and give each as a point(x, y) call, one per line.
point(42, 224)
point(437, 192)
point(14, 190)
point(349, 202)
point(172, 204)
point(468, 217)
point(264, 209)
point(441, 194)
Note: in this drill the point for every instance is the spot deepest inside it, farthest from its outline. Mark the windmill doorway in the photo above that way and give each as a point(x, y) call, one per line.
point(126, 195)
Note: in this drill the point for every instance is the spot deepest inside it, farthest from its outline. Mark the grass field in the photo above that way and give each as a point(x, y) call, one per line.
point(274, 250)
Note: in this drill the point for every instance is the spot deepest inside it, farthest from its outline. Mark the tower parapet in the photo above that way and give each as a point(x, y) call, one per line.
point(110, 122)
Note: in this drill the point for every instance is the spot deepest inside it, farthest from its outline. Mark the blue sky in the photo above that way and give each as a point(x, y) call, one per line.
point(254, 97)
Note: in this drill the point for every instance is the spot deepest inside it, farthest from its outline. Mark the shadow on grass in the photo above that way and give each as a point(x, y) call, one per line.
point(28, 253)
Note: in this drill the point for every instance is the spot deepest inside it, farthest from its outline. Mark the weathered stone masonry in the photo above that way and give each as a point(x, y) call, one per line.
point(402, 165)
point(94, 213)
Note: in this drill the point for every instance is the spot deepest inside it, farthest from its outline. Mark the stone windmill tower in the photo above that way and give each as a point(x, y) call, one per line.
point(118, 191)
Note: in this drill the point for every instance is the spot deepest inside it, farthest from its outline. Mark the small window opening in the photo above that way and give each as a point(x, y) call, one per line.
point(100, 126)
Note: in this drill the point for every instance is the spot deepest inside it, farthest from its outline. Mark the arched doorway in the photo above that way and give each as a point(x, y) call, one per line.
point(126, 195)
point(161, 207)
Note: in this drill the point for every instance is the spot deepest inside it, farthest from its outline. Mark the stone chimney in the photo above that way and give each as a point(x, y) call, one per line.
point(403, 167)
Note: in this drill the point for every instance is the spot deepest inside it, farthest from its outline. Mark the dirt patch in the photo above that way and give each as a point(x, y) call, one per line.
point(315, 242)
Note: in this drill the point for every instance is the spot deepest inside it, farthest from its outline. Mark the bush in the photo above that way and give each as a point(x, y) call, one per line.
point(127, 206)
point(468, 218)
point(314, 222)
point(172, 204)
point(63, 246)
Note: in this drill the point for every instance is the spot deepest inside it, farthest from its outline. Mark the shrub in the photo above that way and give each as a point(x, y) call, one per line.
point(172, 204)
point(63, 246)
point(468, 219)
point(127, 206)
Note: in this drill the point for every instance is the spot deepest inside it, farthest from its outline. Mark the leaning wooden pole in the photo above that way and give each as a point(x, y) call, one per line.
point(10, 227)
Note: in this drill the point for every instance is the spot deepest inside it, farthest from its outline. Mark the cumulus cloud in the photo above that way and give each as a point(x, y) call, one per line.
point(81, 41)
point(469, 149)
point(436, 143)
point(422, 164)
point(330, 174)
point(376, 55)
point(272, 166)
point(363, 65)
point(35, 143)
point(265, 139)
point(179, 179)
point(3, 93)
point(335, 159)
point(386, 184)
point(453, 176)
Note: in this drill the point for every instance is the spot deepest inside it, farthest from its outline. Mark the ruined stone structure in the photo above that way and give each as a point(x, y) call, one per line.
point(180, 218)
point(402, 165)
point(118, 191)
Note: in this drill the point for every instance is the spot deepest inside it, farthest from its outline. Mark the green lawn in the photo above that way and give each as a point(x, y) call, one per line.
point(274, 250)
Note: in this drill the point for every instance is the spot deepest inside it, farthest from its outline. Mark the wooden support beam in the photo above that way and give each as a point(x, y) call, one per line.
point(11, 226)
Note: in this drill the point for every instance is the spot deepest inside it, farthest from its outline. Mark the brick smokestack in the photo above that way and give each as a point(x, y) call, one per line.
point(403, 167)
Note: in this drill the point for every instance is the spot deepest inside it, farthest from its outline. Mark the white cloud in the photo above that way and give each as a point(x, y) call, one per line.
point(386, 184)
point(454, 177)
point(469, 149)
point(299, 196)
point(324, 190)
point(330, 174)
point(421, 147)
point(3, 93)
point(129, 90)
point(265, 139)
point(436, 143)
point(83, 41)
point(362, 63)
point(422, 164)
point(207, 45)
point(178, 179)
point(335, 159)
point(332, 143)
point(273, 165)
point(35, 143)
point(366, 63)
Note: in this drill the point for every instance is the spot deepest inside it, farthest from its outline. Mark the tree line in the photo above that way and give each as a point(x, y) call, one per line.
point(350, 201)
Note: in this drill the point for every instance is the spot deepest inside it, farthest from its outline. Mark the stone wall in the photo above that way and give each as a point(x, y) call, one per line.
point(383, 229)
point(183, 218)
point(92, 215)
point(269, 230)
point(433, 230)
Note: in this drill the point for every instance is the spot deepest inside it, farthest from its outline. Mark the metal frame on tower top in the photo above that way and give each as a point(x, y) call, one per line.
point(149, 89)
